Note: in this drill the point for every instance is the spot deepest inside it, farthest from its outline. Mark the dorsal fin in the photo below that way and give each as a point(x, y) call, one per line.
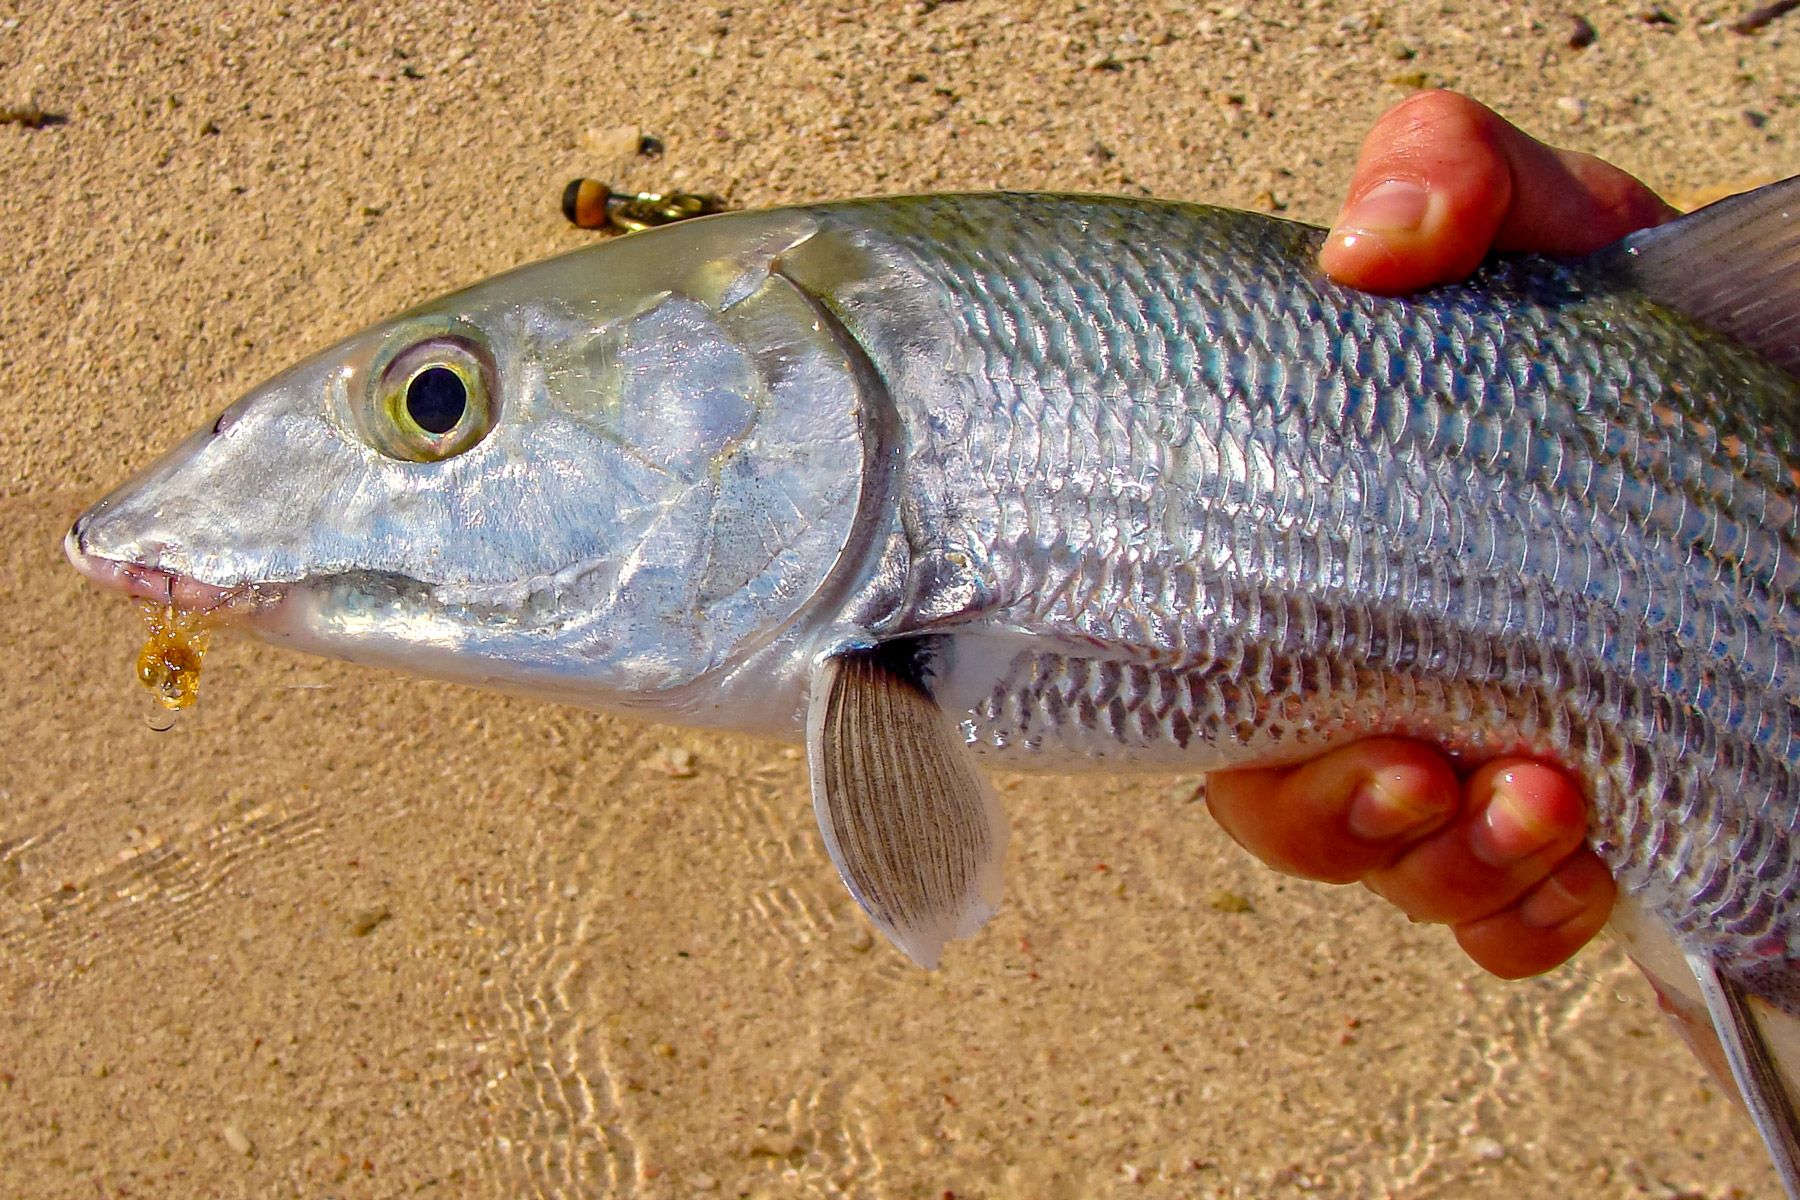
point(1733, 266)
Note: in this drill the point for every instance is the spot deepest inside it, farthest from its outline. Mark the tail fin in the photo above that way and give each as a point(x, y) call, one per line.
point(1754, 1066)
point(1733, 266)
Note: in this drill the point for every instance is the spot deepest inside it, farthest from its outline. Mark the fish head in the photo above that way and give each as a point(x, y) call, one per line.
point(605, 476)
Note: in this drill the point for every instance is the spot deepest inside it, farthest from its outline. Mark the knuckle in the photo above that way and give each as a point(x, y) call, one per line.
point(1440, 111)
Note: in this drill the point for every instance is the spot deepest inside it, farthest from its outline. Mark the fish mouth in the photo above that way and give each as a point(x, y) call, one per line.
point(164, 586)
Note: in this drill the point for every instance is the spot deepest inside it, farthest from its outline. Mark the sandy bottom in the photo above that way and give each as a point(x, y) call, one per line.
point(354, 935)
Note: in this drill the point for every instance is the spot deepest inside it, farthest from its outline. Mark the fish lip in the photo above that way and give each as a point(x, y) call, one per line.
point(146, 582)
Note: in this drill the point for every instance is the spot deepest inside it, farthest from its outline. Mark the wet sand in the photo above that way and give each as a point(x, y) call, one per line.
point(349, 934)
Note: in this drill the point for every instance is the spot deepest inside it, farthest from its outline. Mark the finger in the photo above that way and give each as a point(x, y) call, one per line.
point(1443, 180)
point(1341, 815)
point(1522, 819)
point(1553, 920)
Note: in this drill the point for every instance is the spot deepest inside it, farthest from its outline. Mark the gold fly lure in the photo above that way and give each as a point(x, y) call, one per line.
point(169, 663)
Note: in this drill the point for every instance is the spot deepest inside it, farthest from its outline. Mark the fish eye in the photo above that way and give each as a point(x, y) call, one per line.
point(432, 401)
point(436, 399)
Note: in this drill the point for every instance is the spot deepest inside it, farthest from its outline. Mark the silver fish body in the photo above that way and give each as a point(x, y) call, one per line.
point(1233, 513)
point(1105, 483)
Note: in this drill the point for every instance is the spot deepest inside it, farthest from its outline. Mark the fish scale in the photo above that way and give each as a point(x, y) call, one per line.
point(1077, 483)
point(1243, 479)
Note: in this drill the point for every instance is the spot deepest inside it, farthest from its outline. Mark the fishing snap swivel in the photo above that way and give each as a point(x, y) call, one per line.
point(590, 204)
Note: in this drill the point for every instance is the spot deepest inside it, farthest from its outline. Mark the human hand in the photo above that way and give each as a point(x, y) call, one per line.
point(1498, 856)
point(1443, 180)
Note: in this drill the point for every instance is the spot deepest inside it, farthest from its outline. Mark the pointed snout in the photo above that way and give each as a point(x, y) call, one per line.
point(142, 580)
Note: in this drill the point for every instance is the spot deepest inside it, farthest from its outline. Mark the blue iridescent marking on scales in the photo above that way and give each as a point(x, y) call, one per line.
point(1250, 515)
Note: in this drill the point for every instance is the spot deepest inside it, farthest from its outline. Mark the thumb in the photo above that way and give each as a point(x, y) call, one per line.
point(1444, 180)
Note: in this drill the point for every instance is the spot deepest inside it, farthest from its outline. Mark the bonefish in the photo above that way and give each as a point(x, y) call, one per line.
point(1072, 483)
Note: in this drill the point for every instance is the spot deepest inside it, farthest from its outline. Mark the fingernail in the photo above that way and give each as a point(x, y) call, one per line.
point(1551, 903)
point(1378, 813)
point(1396, 206)
point(1509, 830)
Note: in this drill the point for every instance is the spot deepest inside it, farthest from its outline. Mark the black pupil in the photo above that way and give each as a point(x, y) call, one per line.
point(435, 399)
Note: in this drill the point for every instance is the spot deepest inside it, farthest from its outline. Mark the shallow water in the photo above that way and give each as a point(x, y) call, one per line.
point(346, 934)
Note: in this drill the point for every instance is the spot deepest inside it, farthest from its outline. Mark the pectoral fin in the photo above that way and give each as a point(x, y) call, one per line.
point(1753, 1066)
point(916, 833)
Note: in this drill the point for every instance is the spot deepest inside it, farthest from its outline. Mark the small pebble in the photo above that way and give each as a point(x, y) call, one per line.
point(1487, 1149)
point(1582, 33)
point(769, 1143)
point(612, 143)
point(236, 1139)
point(1573, 108)
point(25, 112)
point(363, 922)
point(1757, 18)
point(861, 940)
point(678, 764)
point(1228, 902)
